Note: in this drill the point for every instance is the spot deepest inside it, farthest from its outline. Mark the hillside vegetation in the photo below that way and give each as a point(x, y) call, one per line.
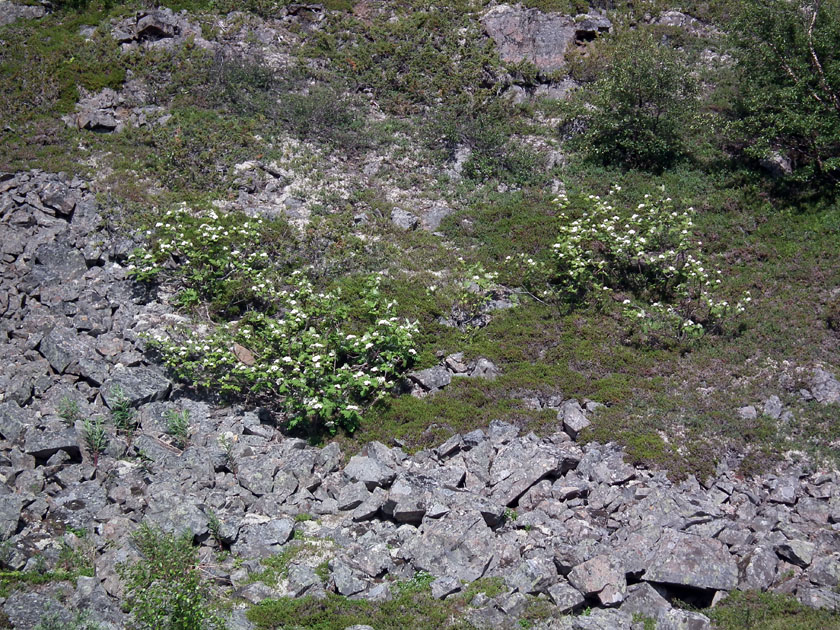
point(335, 195)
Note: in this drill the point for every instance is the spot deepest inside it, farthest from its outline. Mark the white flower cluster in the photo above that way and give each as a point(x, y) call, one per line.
point(649, 252)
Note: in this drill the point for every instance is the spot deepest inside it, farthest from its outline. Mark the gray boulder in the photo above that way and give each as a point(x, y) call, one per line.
point(10, 12)
point(686, 560)
point(139, 384)
point(346, 582)
point(79, 505)
point(42, 444)
point(485, 368)
point(510, 478)
point(13, 419)
point(773, 407)
point(433, 216)
point(565, 596)
point(10, 507)
point(798, 552)
point(573, 418)
point(825, 387)
point(25, 610)
point(459, 545)
point(66, 262)
point(444, 586)
point(404, 219)
point(353, 495)
point(602, 576)
point(431, 379)
point(369, 471)
point(539, 38)
point(302, 579)
point(757, 569)
point(776, 164)
point(256, 473)
point(533, 576)
point(61, 347)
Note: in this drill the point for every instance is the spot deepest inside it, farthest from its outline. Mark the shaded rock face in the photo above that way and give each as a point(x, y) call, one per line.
point(573, 524)
point(539, 38)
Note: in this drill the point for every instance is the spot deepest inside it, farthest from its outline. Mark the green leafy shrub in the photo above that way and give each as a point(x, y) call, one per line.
point(164, 590)
point(293, 344)
point(638, 112)
point(789, 62)
point(307, 357)
point(650, 257)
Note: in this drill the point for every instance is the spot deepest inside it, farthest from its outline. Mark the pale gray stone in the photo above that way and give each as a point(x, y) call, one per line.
point(687, 560)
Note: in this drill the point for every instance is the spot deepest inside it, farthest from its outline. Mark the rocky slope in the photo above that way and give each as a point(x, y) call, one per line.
point(573, 526)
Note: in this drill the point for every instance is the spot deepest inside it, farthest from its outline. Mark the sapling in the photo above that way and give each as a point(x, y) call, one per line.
point(178, 426)
point(122, 415)
point(95, 438)
point(68, 410)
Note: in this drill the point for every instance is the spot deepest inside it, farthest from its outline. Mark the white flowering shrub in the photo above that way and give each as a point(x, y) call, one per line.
point(650, 255)
point(295, 348)
point(226, 260)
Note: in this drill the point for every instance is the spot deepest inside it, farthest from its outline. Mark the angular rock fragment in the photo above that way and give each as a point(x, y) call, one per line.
point(798, 552)
point(140, 385)
point(758, 569)
point(601, 576)
point(444, 586)
point(352, 496)
point(573, 418)
point(431, 379)
point(43, 444)
point(369, 471)
point(565, 596)
point(10, 507)
point(686, 560)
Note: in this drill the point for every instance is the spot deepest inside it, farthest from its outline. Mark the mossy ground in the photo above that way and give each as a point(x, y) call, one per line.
point(411, 606)
point(770, 611)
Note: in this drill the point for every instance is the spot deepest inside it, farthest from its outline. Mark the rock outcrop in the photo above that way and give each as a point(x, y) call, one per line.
point(11, 12)
point(539, 38)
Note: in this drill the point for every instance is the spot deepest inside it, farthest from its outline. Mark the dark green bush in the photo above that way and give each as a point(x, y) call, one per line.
point(789, 60)
point(638, 112)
